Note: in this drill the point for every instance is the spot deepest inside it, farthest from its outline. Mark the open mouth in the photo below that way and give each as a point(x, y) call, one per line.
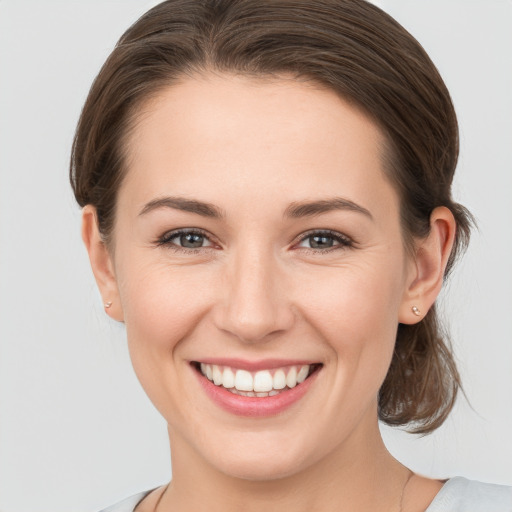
point(262, 383)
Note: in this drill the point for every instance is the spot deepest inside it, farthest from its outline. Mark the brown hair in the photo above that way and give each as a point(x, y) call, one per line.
point(353, 48)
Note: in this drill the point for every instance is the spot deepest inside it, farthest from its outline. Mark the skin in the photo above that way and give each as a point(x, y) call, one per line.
point(256, 289)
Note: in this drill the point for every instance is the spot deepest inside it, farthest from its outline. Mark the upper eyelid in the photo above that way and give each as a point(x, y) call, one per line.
point(169, 235)
point(325, 232)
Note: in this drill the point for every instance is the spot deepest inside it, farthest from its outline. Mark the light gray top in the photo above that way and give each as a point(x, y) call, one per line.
point(462, 495)
point(457, 495)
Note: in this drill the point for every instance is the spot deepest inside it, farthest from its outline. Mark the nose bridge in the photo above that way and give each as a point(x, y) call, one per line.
point(255, 305)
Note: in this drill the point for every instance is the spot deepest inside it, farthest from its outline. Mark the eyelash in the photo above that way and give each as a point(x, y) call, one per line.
point(343, 242)
point(167, 238)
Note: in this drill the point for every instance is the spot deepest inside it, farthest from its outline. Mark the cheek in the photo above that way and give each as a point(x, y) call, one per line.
point(162, 304)
point(355, 312)
point(354, 300)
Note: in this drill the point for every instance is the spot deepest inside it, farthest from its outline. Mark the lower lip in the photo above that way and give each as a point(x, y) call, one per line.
point(253, 406)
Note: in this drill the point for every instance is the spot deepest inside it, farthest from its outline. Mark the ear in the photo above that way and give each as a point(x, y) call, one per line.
point(101, 263)
point(428, 267)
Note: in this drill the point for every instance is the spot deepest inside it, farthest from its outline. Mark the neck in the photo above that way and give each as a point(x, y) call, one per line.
point(360, 475)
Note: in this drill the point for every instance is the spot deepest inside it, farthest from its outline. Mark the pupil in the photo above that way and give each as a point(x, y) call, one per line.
point(319, 241)
point(191, 240)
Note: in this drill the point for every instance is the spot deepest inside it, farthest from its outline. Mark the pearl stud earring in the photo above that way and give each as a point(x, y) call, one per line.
point(107, 304)
point(416, 311)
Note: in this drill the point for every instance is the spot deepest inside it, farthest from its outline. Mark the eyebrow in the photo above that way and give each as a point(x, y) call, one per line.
point(183, 204)
point(294, 210)
point(311, 208)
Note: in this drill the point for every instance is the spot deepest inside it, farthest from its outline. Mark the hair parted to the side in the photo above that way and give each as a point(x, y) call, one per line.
point(353, 48)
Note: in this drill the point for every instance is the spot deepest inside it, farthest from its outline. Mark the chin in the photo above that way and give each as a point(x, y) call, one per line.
point(257, 470)
point(261, 459)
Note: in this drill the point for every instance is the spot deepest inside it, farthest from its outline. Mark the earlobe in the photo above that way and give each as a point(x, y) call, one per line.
point(430, 260)
point(101, 263)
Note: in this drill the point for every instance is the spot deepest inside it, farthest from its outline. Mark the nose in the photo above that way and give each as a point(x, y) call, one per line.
point(255, 305)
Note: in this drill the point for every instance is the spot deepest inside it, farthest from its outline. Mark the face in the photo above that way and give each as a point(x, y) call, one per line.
point(256, 233)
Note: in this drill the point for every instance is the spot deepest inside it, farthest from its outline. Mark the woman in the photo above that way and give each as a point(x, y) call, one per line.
point(267, 208)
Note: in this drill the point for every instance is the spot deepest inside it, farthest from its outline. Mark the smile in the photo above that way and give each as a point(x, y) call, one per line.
point(256, 389)
point(259, 384)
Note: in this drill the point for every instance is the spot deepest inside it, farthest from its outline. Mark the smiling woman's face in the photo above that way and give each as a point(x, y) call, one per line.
point(256, 231)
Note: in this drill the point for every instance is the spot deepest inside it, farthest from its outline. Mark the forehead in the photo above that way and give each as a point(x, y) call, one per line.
point(252, 134)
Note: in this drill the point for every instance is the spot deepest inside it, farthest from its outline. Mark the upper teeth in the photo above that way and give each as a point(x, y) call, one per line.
point(260, 382)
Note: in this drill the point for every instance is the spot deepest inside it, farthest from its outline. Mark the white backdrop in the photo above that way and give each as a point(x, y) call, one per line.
point(76, 430)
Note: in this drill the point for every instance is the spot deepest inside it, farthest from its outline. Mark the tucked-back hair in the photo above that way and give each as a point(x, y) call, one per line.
point(349, 46)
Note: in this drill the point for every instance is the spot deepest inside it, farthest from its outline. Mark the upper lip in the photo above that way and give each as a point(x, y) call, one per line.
point(254, 365)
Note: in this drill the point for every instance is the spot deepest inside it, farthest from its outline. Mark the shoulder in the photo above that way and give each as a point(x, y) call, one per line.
point(462, 495)
point(127, 505)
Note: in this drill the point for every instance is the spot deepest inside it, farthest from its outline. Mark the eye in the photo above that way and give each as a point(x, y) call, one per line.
point(324, 241)
point(185, 239)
